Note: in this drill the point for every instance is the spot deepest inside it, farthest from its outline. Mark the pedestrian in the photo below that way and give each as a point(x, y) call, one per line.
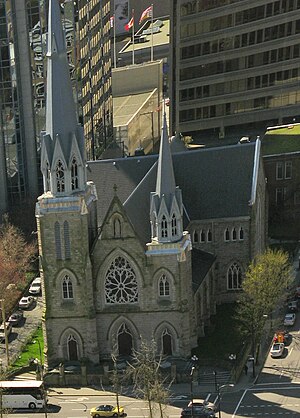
point(246, 369)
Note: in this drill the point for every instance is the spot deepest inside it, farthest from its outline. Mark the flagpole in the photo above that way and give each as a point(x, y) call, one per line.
point(151, 32)
point(115, 53)
point(133, 38)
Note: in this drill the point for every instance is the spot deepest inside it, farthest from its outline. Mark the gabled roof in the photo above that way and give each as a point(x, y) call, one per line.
point(215, 183)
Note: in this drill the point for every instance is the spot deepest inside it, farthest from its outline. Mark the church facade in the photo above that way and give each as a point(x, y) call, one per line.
point(142, 247)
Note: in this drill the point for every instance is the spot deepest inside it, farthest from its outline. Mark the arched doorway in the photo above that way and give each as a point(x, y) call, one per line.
point(167, 343)
point(124, 341)
point(72, 348)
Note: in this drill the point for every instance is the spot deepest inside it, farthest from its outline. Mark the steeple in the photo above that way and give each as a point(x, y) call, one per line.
point(62, 143)
point(166, 202)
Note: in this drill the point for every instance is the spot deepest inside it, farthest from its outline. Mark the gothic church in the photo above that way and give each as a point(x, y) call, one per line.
point(139, 247)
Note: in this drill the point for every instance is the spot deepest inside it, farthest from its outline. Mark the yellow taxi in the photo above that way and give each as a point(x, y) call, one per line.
point(107, 411)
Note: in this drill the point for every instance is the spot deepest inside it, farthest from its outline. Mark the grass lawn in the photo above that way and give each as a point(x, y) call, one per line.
point(33, 349)
point(224, 339)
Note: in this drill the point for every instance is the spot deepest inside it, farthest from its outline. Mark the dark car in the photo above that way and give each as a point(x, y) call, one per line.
point(16, 318)
point(197, 412)
point(293, 306)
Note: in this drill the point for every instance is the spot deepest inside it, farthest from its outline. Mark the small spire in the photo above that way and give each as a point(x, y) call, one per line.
point(115, 187)
point(165, 182)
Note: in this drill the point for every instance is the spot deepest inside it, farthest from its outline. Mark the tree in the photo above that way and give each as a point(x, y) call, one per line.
point(144, 371)
point(16, 257)
point(265, 285)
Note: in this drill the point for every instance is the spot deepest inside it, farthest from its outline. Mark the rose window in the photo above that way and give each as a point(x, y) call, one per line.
point(120, 282)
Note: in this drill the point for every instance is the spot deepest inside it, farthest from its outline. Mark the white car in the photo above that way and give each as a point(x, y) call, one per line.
point(25, 302)
point(277, 350)
point(289, 319)
point(2, 332)
point(35, 287)
point(203, 402)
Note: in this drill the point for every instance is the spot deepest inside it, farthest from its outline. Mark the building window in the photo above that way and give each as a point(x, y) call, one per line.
point(67, 288)
point(202, 236)
point(241, 234)
point(297, 198)
point(288, 170)
point(234, 234)
point(57, 240)
point(280, 195)
point(120, 283)
point(74, 175)
point(164, 227)
point(164, 286)
point(209, 236)
point(234, 277)
point(47, 177)
point(226, 235)
point(67, 240)
point(60, 177)
point(279, 171)
point(174, 225)
point(195, 237)
point(117, 228)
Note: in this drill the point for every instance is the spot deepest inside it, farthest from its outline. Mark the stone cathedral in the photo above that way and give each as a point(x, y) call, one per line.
point(139, 247)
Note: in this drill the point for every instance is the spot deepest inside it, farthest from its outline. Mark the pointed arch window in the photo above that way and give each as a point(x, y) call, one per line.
point(164, 286)
point(57, 241)
point(67, 240)
point(174, 225)
point(167, 343)
point(67, 288)
point(164, 227)
point(195, 238)
point(241, 234)
point(234, 277)
point(226, 235)
point(121, 283)
point(72, 348)
point(47, 177)
point(202, 235)
point(74, 175)
point(60, 177)
point(117, 228)
point(209, 236)
point(234, 234)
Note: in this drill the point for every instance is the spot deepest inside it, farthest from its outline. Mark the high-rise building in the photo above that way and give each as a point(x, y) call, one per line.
point(18, 151)
point(235, 65)
point(95, 67)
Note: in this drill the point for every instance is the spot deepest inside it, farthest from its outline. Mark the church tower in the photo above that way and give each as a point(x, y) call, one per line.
point(66, 215)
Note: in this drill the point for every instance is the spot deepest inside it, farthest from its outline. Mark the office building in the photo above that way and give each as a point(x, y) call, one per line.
point(235, 66)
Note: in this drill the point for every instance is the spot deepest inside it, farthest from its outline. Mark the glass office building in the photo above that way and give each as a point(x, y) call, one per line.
point(235, 65)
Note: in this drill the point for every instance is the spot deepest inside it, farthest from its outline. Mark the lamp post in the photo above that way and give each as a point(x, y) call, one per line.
point(194, 360)
point(219, 396)
point(40, 361)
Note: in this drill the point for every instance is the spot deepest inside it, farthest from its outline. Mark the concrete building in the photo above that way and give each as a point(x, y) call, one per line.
point(235, 66)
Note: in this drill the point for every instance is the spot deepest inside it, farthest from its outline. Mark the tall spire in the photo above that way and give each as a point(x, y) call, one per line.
point(166, 202)
point(61, 116)
point(165, 182)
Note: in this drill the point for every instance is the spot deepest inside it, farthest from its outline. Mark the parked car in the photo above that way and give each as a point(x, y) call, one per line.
point(197, 412)
point(107, 411)
point(203, 403)
point(16, 318)
point(293, 306)
point(8, 331)
point(277, 350)
point(35, 287)
point(289, 319)
point(25, 302)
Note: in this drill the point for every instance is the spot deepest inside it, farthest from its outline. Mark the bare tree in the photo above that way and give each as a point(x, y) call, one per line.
point(149, 384)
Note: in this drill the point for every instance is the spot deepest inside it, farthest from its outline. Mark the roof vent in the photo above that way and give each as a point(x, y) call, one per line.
point(244, 140)
point(139, 151)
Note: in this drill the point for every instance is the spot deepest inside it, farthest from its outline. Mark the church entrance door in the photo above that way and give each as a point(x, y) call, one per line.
point(167, 344)
point(72, 349)
point(124, 342)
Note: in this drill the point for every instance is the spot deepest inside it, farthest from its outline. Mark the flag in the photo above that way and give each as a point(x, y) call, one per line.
point(129, 24)
point(111, 20)
point(146, 14)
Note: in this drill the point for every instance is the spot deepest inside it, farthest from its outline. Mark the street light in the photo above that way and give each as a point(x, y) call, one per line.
point(39, 362)
point(231, 385)
point(194, 360)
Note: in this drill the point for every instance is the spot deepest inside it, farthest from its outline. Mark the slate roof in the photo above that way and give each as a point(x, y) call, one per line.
point(215, 183)
point(201, 264)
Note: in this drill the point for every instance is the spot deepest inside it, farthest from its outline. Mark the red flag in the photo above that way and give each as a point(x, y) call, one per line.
point(129, 24)
point(146, 14)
